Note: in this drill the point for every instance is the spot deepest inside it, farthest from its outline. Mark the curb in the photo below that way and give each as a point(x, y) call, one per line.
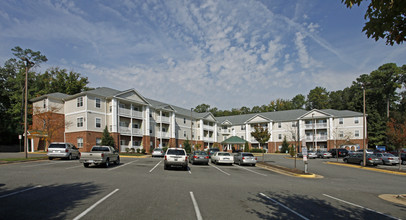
point(395, 198)
point(367, 168)
point(146, 156)
point(287, 173)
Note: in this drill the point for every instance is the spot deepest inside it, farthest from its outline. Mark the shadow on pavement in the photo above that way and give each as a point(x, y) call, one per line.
point(308, 207)
point(45, 202)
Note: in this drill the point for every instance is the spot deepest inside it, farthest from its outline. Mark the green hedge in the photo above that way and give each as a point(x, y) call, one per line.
point(256, 150)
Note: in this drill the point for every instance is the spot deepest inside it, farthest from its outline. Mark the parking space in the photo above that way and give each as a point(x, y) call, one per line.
point(141, 188)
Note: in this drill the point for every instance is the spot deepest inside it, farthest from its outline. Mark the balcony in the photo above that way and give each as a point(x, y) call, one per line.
point(225, 131)
point(124, 130)
point(163, 135)
point(163, 119)
point(316, 126)
point(208, 127)
point(208, 139)
point(137, 132)
point(317, 138)
point(137, 114)
point(124, 111)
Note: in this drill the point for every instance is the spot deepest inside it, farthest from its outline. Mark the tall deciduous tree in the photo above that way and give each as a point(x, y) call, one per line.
point(396, 131)
point(262, 136)
point(386, 19)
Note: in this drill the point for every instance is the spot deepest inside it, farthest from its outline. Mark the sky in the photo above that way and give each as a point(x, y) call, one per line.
point(227, 54)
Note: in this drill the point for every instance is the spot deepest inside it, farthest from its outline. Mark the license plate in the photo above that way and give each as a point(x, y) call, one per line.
point(225, 158)
point(90, 161)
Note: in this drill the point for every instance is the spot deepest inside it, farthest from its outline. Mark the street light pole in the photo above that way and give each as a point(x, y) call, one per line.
point(191, 126)
point(27, 67)
point(363, 126)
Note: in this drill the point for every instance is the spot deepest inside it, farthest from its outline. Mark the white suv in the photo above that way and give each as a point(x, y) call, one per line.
point(176, 157)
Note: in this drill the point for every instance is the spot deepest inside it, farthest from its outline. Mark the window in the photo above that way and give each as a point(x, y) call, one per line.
point(242, 137)
point(280, 136)
point(79, 101)
point(341, 121)
point(97, 103)
point(356, 134)
point(45, 103)
point(184, 133)
point(98, 141)
point(163, 129)
point(242, 127)
point(341, 134)
point(80, 142)
point(111, 108)
point(356, 120)
point(136, 125)
point(79, 122)
point(184, 120)
point(293, 124)
point(279, 125)
point(98, 123)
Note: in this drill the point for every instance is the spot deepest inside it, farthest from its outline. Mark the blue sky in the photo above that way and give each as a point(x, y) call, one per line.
point(227, 54)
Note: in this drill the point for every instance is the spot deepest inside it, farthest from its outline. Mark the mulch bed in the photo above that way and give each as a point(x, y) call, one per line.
point(292, 170)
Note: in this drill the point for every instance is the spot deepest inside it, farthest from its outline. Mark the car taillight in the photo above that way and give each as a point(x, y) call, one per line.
point(207, 157)
point(243, 158)
point(66, 150)
point(390, 158)
point(102, 154)
point(195, 157)
point(256, 158)
point(185, 158)
point(162, 152)
point(339, 152)
point(369, 158)
point(47, 150)
point(165, 157)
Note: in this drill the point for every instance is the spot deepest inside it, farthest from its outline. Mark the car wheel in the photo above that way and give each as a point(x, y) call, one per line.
point(165, 167)
point(404, 162)
point(50, 158)
point(117, 161)
point(345, 161)
point(86, 165)
point(70, 157)
point(253, 164)
point(193, 162)
point(107, 164)
point(239, 162)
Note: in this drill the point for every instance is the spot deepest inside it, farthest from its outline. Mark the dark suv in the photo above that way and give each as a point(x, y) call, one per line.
point(341, 152)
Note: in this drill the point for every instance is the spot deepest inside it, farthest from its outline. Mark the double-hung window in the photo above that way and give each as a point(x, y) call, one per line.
point(80, 142)
point(98, 105)
point(98, 122)
point(79, 101)
point(79, 122)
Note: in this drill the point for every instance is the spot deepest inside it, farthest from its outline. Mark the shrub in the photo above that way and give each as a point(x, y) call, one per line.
point(127, 149)
point(143, 150)
point(138, 150)
point(246, 147)
point(132, 150)
point(256, 150)
point(292, 151)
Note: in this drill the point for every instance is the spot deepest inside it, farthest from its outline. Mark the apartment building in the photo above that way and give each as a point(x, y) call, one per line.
point(136, 122)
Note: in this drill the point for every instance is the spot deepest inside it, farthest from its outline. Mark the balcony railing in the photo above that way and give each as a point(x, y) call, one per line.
point(163, 134)
point(124, 130)
point(137, 131)
point(124, 111)
point(316, 126)
point(163, 119)
point(137, 114)
point(317, 138)
point(208, 127)
point(208, 139)
point(225, 131)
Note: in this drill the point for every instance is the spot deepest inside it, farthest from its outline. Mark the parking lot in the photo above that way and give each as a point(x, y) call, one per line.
point(140, 188)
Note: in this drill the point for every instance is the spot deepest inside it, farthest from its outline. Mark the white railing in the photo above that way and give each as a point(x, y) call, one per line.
point(163, 119)
point(208, 127)
point(124, 111)
point(137, 114)
point(225, 131)
point(321, 137)
point(163, 134)
point(137, 131)
point(316, 126)
point(209, 139)
point(124, 130)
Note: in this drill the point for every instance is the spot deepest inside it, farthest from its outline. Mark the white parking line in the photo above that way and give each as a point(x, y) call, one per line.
point(122, 165)
point(73, 167)
point(349, 203)
point(293, 211)
point(49, 163)
point(155, 166)
point(198, 215)
point(94, 205)
point(220, 170)
point(251, 171)
point(10, 194)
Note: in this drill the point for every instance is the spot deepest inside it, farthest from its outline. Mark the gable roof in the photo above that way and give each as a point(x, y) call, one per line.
point(234, 140)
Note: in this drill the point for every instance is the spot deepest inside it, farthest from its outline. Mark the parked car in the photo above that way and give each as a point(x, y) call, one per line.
point(211, 151)
point(62, 150)
point(176, 157)
point(358, 158)
point(158, 152)
point(199, 157)
point(369, 151)
point(323, 154)
point(100, 155)
point(402, 157)
point(310, 154)
point(342, 152)
point(245, 158)
point(222, 157)
point(387, 158)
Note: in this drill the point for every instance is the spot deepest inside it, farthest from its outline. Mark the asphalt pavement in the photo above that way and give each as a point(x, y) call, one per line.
point(140, 188)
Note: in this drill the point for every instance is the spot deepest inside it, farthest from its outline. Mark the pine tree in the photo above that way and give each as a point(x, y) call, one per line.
point(107, 139)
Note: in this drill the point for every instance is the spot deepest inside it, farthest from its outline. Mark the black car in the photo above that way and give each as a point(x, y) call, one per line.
point(341, 152)
point(211, 151)
point(402, 157)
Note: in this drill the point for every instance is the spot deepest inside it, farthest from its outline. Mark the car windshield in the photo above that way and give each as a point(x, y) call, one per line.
point(100, 149)
point(247, 155)
point(388, 155)
point(223, 154)
point(176, 152)
point(157, 149)
point(57, 146)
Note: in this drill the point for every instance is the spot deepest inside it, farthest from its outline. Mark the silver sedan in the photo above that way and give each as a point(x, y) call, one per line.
point(388, 158)
point(242, 158)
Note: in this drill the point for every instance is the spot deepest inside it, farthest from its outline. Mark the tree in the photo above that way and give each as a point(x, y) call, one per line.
point(262, 136)
point(298, 102)
point(186, 146)
point(107, 139)
point(396, 131)
point(386, 19)
point(202, 108)
point(317, 98)
point(48, 123)
point(246, 147)
point(285, 145)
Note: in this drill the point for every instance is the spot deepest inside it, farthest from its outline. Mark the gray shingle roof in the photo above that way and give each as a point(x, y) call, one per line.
point(56, 95)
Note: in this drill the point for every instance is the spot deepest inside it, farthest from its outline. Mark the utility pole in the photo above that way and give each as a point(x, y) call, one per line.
point(27, 67)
